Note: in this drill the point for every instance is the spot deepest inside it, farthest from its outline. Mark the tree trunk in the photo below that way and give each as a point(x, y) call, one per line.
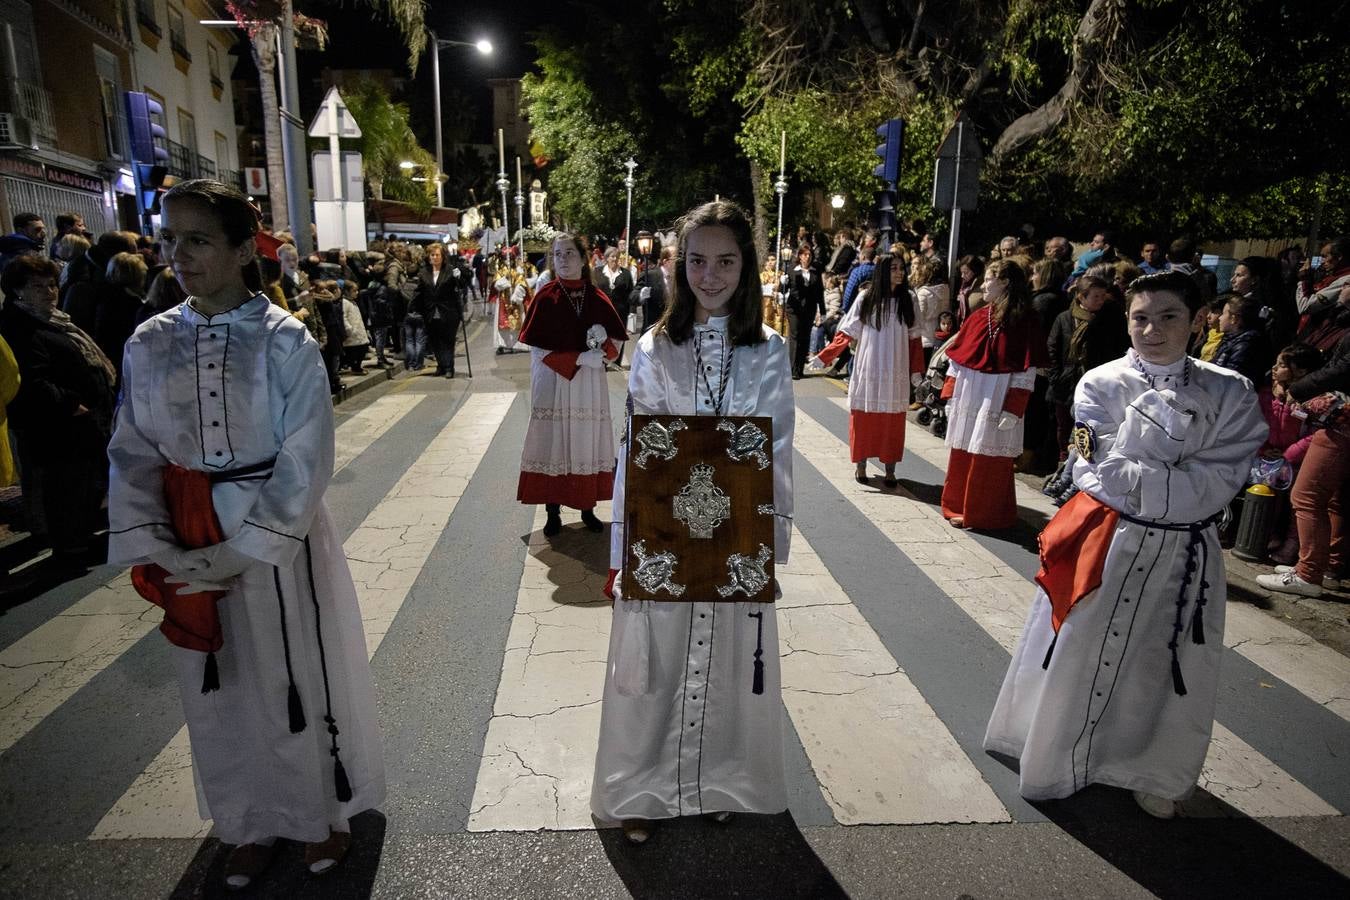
point(761, 225)
point(264, 45)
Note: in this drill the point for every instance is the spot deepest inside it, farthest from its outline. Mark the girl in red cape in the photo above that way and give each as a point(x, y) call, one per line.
point(993, 369)
point(571, 328)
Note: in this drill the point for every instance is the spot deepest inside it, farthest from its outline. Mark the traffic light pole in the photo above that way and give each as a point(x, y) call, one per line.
point(954, 240)
point(293, 135)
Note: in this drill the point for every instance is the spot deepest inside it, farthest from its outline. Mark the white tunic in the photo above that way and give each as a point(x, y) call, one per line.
point(697, 739)
point(975, 407)
point(508, 338)
point(222, 393)
point(1106, 710)
point(880, 379)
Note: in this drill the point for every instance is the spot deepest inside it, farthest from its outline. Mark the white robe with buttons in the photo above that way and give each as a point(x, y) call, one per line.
point(1105, 711)
point(222, 393)
point(697, 739)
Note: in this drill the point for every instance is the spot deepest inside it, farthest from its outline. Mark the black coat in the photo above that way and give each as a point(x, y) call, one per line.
point(115, 318)
point(438, 300)
point(1333, 376)
point(655, 304)
point(620, 294)
point(1106, 340)
point(55, 381)
point(806, 297)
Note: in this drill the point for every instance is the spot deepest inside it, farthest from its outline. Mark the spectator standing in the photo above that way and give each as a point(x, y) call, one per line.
point(119, 304)
point(861, 275)
point(1152, 259)
point(970, 291)
point(328, 308)
point(841, 260)
point(1244, 348)
point(86, 276)
point(1317, 289)
point(1090, 333)
point(616, 283)
point(66, 250)
point(357, 340)
point(27, 239)
point(62, 414)
point(929, 278)
point(440, 285)
point(805, 300)
point(68, 223)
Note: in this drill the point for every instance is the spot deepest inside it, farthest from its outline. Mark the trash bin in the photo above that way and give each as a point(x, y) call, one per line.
point(1260, 505)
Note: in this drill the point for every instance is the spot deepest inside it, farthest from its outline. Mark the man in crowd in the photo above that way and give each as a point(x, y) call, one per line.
point(1059, 248)
point(86, 276)
point(28, 238)
point(68, 223)
point(1317, 289)
point(655, 286)
point(1152, 259)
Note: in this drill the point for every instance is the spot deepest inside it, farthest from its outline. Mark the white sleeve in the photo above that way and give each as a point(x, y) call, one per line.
point(775, 400)
point(138, 520)
point(647, 396)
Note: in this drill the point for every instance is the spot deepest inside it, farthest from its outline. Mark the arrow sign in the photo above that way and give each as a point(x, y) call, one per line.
point(346, 125)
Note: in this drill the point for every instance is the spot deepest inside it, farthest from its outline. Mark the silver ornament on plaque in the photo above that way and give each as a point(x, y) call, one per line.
point(654, 571)
point(746, 442)
point(657, 440)
point(701, 505)
point(747, 573)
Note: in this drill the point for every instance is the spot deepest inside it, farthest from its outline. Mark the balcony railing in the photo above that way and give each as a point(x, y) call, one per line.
point(185, 163)
point(35, 105)
point(232, 177)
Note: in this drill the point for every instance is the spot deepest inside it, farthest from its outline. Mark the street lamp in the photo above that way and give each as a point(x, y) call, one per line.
point(407, 164)
point(644, 243)
point(484, 47)
point(628, 182)
point(837, 201)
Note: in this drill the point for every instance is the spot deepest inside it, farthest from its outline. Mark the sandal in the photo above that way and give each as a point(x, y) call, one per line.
point(246, 863)
point(957, 522)
point(860, 475)
point(326, 855)
point(889, 480)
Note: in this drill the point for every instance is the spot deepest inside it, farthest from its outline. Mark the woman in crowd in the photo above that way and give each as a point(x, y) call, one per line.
point(571, 328)
point(69, 247)
point(616, 283)
point(1115, 676)
point(970, 293)
point(1319, 490)
point(328, 311)
point(805, 301)
point(222, 453)
point(989, 381)
point(120, 299)
point(709, 355)
point(930, 287)
point(62, 414)
point(357, 341)
point(440, 284)
point(1086, 335)
point(887, 359)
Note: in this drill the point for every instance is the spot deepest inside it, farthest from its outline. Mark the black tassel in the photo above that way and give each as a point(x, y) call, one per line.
point(758, 686)
point(757, 682)
point(1178, 684)
point(1198, 625)
point(296, 710)
point(210, 675)
point(1045, 663)
point(344, 787)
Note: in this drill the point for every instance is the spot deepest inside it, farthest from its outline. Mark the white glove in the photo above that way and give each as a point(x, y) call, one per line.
point(594, 359)
point(218, 563)
point(455, 273)
point(916, 378)
point(177, 561)
point(596, 335)
point(645, 294)
point(186, 586)
point(1154, 427)
point(1007, 421)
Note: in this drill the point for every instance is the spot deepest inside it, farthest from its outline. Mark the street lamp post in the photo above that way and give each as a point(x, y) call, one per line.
point(628, 182)
point(520, 211)
point(484, 47)
point(780, 188)
point(503, 185)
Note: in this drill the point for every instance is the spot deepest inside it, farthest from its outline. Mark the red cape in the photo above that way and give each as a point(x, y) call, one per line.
point(552, 324)
point(1015, 348)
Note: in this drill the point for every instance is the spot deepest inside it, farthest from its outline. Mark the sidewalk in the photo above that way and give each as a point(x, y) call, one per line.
point(357, 384)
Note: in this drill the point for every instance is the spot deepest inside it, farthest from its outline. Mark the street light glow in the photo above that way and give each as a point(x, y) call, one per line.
point(407, 164)
point(484, 46)
point(837, 201)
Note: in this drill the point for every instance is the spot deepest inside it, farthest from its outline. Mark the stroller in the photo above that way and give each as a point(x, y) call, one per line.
point(933, 413)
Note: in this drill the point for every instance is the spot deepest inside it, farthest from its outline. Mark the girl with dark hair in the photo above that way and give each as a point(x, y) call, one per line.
point(571, 328)
point(888, 358)
point(222, 452)
point(709, 355)
point(1086, 335)
point(989, 382)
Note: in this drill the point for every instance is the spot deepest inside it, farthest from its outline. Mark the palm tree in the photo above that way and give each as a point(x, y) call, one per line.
point(386, 142)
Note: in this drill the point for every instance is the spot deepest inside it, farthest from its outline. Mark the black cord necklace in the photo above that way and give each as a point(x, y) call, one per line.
point(578, 300)
point(1185, 371)
point(729, 351)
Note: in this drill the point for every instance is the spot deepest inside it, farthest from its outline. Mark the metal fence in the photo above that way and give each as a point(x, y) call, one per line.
point(35, 105)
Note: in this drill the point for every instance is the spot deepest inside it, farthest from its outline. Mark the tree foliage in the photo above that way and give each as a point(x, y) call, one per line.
point(1213, 116)
point(386, 141)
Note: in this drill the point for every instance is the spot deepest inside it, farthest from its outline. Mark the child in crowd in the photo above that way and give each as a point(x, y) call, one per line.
point(1290, 433)
point(1243, 348)
point(1213, 334)
point(945, 329)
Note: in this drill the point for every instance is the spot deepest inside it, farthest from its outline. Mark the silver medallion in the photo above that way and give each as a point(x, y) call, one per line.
point(654, 572)
point(765, 509)
point(746, 442)
point(658, 440)
point(747, 573)
point(700, 504)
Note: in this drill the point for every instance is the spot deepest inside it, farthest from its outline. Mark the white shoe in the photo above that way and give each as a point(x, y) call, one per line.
point(1331, 583)
point(1289, 583)
point(1281, 570)
point(1155, 806)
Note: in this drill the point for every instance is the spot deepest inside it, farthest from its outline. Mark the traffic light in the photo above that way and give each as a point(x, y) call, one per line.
point(890, 150)
point(149, 185)
point(148, 137)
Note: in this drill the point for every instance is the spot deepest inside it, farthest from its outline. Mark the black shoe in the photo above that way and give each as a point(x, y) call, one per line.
point(890, 481)
point(554, 523)
point(501, 350)
point(591, 522)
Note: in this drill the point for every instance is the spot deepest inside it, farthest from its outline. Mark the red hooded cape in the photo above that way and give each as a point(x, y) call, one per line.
point(1015, 348)
point(551, 323)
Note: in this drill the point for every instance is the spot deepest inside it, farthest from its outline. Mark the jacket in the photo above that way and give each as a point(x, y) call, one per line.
point(806, 292)
point(1247, 353)
point(619, 291)
point(437, 299)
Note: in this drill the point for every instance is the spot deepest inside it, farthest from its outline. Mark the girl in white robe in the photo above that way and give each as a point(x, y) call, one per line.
point(681, 730)
point(288, 745)
point(1119, 687)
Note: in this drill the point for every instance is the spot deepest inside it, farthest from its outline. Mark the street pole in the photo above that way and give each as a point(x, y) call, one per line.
point(628, 182)
point(436, 87)
point(520, 210)
point(954, 240)
point(780, 188)
point(503, 185)
point(293, 135)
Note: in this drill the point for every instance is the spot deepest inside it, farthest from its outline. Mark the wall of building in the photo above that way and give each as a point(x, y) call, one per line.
point(184, 84)
point(67, 33)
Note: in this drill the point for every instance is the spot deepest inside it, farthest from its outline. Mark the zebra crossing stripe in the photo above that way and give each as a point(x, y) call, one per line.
point(385, 553)
point(997, 598)
point(1314, 670)
point(45, 667)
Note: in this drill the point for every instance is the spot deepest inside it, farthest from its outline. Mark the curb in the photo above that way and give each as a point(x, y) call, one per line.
point(362, 383)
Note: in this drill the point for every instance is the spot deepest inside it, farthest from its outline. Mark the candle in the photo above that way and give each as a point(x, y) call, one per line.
point(520, 182)
point(501, 150)
point(782, 154)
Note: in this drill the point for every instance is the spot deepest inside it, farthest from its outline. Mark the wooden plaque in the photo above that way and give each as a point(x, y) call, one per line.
point(698, 509)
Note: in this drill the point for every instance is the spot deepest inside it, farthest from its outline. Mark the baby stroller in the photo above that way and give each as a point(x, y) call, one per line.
point(933, 413)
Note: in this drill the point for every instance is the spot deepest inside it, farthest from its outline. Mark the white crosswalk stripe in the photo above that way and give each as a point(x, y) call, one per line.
point(386, 553)
point(997, 598)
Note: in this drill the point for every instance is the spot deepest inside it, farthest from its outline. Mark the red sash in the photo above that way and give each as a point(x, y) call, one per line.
point(190, 621)
point(1073, 552)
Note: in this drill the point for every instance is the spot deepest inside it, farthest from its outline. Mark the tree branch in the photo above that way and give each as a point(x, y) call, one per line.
point(1095, 31)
